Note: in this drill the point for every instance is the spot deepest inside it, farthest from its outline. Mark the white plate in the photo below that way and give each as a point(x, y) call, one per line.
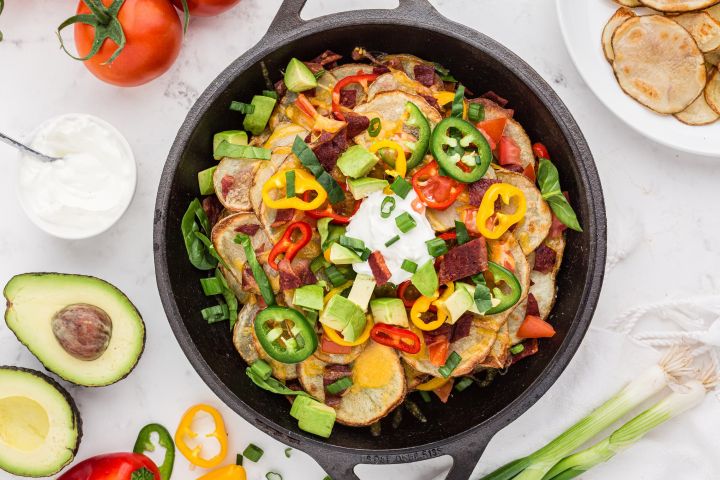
point(582, 22)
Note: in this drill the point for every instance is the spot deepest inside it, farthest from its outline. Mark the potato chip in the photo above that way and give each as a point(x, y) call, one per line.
point(703, 28)
point(621, 15)
point(712, 92)
point(679, 5)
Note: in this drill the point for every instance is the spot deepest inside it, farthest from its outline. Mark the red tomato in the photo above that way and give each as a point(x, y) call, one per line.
point(328, 346)
point(535, 327)
point(493, 129)
point(437, 349)
point(153, 32)
point(112, 466)
point(508, 152)
point(434, 190)
point(206, 8)
point(540, 150)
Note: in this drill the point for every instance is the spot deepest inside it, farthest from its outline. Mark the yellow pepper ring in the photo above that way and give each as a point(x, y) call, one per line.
point(230, 472)
point(336, 338)
point(303, 182)
point(185, 430)
point(432, 384)
point(400, 169)
point(440, 302)
point(502, 221)
point(421, 306)
point(336, 290)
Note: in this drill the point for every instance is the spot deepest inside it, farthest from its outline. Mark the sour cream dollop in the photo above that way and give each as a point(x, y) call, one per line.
point(89, 189)
point(369, 226)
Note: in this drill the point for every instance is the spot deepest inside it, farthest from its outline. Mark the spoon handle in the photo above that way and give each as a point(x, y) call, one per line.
point(21, 146)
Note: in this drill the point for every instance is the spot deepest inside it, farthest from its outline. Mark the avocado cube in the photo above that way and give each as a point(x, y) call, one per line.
point(390, 311)
point(357, 161)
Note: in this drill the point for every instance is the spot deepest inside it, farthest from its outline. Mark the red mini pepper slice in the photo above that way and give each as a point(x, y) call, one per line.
point(288, 246)
point(369, 77)
point(540, 151)
point(396, 337)
point(328, 210)
point(435, 190)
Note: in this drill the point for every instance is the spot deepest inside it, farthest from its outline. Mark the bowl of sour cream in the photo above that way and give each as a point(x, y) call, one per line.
point(89, 188)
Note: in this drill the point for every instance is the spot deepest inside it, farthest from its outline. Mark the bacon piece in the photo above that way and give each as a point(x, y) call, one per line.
point(379, 269)
point(532, 306)
point(463, 261)
point(531, 348)
point(462, 327)
point(295, 276)
point(508, 112)
point(380, 69)
point(356, 124)
point(477, 190)
point(333, 373)
point(248, 281)
point(432, 101)
point(283, 216)
point(333, 400)
point(490, 95)
point(327, 57)
point(545, 259)
point(443, 393)
point(328, 148)
point(248, 229)
point(348, 97)
point(425, 74)
point(213, 209)
point(280, 88)
point(226, 183)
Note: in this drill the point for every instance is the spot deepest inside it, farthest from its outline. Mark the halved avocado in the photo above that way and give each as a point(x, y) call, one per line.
point(40, 426)
point(81, 328)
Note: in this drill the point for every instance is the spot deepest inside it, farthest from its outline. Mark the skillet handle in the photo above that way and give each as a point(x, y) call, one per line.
point(288, 17)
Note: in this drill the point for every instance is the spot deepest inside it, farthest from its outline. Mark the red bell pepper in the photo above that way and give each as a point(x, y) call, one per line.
point(114, 466)
point(363, 79)
point(435, 190)
point(288, 246)
point(396, 337)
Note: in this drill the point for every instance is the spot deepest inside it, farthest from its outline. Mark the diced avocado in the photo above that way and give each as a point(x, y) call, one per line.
point(459, 302)
point(309, 296)
point(298, 77)
point(345, 316)
point(313, 416)
point(233, 137)
point(425, 278)
point(255, 122)
point(390, 311)
point(357, 161)
point(362, 187)
point(340, 255)
point(81, 328)
point(362, 290)
point(40, 426)
point(205, 181)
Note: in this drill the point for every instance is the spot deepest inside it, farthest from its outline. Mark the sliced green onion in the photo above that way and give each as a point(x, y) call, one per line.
point(413, 408)
point(461, 232)
point(375, 127)
point(401, 187)
point(273, 476)
point(319, 74)
point(436, 247)
point(244, 108)
point(262, 369)
point(288, 451)
point(335, 276)
point(238, 459)
point(458, 104)
point(217, 313)
point(258, 273)
point(444, 73)
point(425, 396)
point(307, 157)
point(290, 183)
point(318, 263)
point(337, 387)
point(519, 348)
point(647, 385)
point(351, 243)
point(476, 112)
point(405, 222)
point(387, 206)
point(409, 266)
point(365, 254)
point(450, 364)
point(253, 453)
point(392, 240)
point(211, 286)
point(463, 384)
point(270, 93)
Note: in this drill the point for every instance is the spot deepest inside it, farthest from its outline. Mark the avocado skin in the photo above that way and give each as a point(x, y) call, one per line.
point(68, 399)
point(40, 274)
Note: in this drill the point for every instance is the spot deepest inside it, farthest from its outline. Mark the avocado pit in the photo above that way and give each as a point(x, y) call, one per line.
point(82, 330)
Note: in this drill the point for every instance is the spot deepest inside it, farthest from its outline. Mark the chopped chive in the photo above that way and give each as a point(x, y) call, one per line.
point(401, 187)
point(375, 127)
point(288, 451)
point(392, 240)
point(463, 384)
point(337, 387)
point(425, 396)
point(365, 254)
point(290, 183)
point(450, 364)
point(409, 266)
point(270, 93)
point(239, 459)
point(253, 453)
point(519, 348)
point(335, 276)
point(436, 247)
point(405, 222)
point(215, 314)
point(351, 243)
point(273, 476)
point(461, 232)
point(318, 263)
point(387, 206)
point(211, 286)
point(244, 108)
point(476, 112)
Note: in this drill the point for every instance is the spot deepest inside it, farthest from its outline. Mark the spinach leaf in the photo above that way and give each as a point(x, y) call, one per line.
point(549, 182)
point(273, 385)
point(198, 253)
point(211, 248)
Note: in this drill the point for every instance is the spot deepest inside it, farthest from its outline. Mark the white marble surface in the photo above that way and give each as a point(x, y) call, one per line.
point(669, 198)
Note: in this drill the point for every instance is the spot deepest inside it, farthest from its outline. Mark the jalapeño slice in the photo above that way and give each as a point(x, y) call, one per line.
point(285, 334)
point(504, 287)
point(461, 149)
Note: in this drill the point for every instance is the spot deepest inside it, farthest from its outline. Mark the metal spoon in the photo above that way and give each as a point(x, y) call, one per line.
point(21, 146)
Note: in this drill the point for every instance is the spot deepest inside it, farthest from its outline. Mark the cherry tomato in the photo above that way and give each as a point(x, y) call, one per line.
point(206, 8)
point(153, 34)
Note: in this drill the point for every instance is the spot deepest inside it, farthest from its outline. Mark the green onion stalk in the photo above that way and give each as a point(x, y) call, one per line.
point(682, 399)
point(534, 467)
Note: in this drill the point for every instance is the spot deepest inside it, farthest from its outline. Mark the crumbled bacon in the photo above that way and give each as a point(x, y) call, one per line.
point(248, 229)
point(380, 69)
point(532, 306)
point(283, 216)
point(477, 190)
point(432, 101)
point(295, 275)
point(490, 95)
point(463, 261)
point(356, 124)
point(425, 74)
point(328, 148)
point(280, 88)
point(226, 183)
point(348, 97)
point(248, 280)
point(545, 259)
point(327, 57)
point(462, 327)
point(331, 374)
point(379, 269)
point(213, 209)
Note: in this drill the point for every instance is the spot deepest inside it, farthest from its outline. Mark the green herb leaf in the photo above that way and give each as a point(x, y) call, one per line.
point(307, 157)
point(142, 474)
point(482, 296)
point(273, 385)
point(549, 182)
point(198, 253)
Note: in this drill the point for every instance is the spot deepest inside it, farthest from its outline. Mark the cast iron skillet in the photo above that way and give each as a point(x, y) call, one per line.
point(464, 426)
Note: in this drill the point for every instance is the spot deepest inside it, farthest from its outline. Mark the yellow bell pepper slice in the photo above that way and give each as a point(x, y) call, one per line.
point(421, 306)
point(493, 224)
point(443, 98)
point(364, 336)
point(432, 384)
point(186, 431)
point(304, 182)
point(400, 169)
point(231, 472)
point(442, 312)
